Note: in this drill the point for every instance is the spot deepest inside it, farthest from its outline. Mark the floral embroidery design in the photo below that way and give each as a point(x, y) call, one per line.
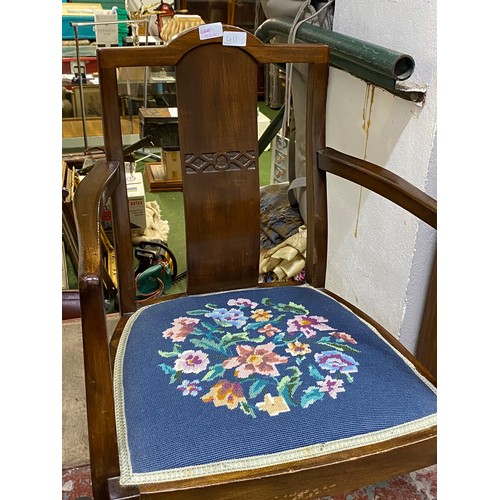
point(259, 358)
point(225, 393)
point(190, 388)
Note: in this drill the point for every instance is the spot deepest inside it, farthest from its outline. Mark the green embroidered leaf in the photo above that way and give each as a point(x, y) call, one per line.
point(277, 319)
point(347, 347)
point(325, 339)
point(279, 338)
point(175, 377)
point(331, 344)
point(267, 302)
point(299, 359)
point(315, 373)
point(296, 372)
point(208, 344)
point(209, 326)
point(282, 384)
point(292, 307)
point(257, 387)
point(341, 346)
point(233, 338)
point(197, 312)
point(289, 384)
point(258, 339)
point(212, 306)
point(166, 354)
point(254, 326)
point(293, 386)
point(214, 372)
point(247, 409)
point(349, 378)
point(167, 369)
point(311, 395)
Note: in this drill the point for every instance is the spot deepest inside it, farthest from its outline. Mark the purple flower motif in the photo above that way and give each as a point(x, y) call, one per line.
point(331, 386)
point(242, 302)
point(228, 317)
point(189, 388)
point(191, 361)
point(307, 325)
point(333, 361)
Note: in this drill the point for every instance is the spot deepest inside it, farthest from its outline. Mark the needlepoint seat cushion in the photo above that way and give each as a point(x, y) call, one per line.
point(251, 378)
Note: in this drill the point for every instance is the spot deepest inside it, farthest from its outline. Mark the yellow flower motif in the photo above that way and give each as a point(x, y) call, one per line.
point(261, 315)
point(225, 393)
point(273, 405)
point(298, 348)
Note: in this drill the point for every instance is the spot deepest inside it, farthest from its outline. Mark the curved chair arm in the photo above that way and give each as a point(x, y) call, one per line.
point(89, 201)
point(90, 198)
point(381, 181)
point(394, 188)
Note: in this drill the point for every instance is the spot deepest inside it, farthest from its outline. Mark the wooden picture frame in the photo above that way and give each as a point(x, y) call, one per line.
point(91, 101)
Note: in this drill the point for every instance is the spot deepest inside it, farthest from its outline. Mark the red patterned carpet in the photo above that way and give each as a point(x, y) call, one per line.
point(420, 485)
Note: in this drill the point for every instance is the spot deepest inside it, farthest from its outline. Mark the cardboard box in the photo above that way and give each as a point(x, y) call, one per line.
point(136, 202)
point(171, 163)
point(136, 206)
point(106, 34)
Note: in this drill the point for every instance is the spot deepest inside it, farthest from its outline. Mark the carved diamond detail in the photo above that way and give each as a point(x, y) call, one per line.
point(217, 162)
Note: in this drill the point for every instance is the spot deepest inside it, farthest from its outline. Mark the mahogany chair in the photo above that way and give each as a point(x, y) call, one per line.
point(236, 389)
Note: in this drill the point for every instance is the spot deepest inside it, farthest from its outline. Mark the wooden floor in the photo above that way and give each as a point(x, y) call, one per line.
point(72, 127)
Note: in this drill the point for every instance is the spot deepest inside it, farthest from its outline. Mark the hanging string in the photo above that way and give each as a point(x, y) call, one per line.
point(288, 72)
point(289, 67)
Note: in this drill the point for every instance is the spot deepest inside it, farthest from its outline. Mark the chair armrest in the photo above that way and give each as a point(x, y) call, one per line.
point(381, 181)
point(89, 201)
point(407, 196)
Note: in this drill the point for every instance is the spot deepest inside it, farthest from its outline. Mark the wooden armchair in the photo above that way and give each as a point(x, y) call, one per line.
point(239, 390)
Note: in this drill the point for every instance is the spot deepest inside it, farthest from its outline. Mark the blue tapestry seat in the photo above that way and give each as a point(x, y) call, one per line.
point(256, 377)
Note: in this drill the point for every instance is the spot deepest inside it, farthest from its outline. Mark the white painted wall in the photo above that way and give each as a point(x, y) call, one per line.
point(371, 123)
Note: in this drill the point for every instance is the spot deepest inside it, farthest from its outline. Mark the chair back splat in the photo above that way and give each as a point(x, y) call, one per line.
point(238, 389)
point(218, 133)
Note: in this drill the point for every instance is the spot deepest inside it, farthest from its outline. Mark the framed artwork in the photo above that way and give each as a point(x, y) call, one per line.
point(91, 101)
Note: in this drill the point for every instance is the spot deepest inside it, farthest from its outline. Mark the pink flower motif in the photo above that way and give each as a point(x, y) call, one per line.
point(307, 325)
point(260, 359)
point(242, 302)
point(343, 336)
point(331, 386)
point(269, 330)
point(191, 361)
point(182, 328)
